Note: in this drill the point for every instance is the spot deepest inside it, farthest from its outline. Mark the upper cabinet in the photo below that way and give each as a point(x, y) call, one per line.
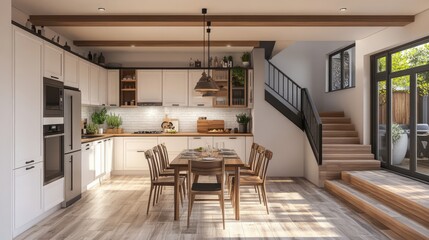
point(113, 87)
point(93, 87)
point(84, 80)
point(102, 86)
point(53, 61)
point(149, 84)
point(71, 73)
point(175, 88)
point(238, 87)
point(196, 99)
point(221, 77)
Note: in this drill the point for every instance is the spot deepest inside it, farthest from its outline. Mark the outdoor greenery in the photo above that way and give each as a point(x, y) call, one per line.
point(397, 131)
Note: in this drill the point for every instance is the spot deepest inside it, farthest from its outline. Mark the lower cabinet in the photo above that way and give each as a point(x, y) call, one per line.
point(88, 165)
point(197, 142)
point(134, 148)
point(53, 194)
point(175, 145)
point(99, 159)
point(28, 185)
point(108, 155)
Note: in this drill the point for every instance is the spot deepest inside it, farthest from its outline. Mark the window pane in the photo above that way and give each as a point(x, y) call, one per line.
point(381, 64)
point(382, 121)
point(336, 72)
point(348, 68)
point(422, 123)
point(400, 121)
point(410, 58)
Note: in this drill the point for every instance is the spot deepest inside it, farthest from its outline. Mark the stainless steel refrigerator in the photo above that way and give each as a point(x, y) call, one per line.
point(72, 143)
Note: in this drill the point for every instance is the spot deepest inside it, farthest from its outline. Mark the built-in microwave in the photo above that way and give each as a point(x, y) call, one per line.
point(53, 98)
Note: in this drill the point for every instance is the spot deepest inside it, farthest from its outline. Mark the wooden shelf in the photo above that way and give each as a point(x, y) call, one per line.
point(128, 89)
point(129, 106)
point(128, 81)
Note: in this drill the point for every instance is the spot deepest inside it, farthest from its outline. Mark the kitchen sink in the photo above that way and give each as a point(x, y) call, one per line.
point(90, 136)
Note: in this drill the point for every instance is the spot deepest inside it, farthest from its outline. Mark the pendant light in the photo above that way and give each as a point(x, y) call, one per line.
point(206, 84)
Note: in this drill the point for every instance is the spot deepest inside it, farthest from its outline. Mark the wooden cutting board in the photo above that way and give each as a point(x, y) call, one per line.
point(203, 126)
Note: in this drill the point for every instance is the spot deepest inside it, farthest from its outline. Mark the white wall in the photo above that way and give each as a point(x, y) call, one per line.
point(311, 167)
point(356, 102)
point(6, 120)
point(273, 130)
point(305, 63)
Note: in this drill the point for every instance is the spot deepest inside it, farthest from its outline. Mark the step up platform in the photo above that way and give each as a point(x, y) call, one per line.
point(400, 203)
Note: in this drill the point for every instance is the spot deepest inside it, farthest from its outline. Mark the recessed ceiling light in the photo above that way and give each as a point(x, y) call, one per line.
point(343, 9)
point(101, 9)
point(229, 45)
point(133, 45)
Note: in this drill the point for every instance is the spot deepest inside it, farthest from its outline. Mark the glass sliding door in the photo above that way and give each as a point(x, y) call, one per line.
point(422, 129)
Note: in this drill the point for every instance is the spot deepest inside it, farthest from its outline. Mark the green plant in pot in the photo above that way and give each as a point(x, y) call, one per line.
point(98, 118)
point(91, 128)
point(243, 119)
point(245, 58)
point(113, 123)
point(238, 76)
point(399, 144)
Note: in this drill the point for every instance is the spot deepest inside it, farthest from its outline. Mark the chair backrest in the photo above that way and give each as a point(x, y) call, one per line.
point(157, 157)
point(150, 162)
point(259, 160)
point(268, 155)
point(206, 168)
point(252, 156)
point(164, 152)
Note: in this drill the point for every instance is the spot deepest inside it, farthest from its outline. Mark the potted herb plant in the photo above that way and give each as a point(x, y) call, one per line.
point(238, 76)
point(243, 120)
point(399, 144)
point(91, 128)
point(113, 123)
point(98, 118)
point(245, 58)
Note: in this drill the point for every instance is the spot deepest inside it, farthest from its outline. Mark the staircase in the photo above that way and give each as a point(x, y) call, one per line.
point(398, 203)
point(341, 148)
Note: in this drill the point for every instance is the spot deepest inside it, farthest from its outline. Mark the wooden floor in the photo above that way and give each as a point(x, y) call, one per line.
point(117, 210)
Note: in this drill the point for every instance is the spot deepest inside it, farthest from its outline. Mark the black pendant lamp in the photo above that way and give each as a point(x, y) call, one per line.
point(206, 84)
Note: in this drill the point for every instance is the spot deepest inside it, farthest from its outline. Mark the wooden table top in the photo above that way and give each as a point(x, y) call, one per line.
point(182, 161)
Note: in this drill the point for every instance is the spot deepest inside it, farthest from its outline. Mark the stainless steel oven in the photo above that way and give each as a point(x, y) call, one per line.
point(53, 152)
point(53, 98)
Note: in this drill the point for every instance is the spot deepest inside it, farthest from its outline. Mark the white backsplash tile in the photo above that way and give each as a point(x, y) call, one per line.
point(150, 118)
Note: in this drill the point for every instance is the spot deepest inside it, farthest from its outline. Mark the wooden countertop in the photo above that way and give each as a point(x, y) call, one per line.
point(180, 134)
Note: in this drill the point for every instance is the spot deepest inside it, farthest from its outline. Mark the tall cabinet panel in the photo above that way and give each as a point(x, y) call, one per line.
point(71, 73)
point(84, 81)
point(93, 87)
point(102, 86)
point(175, 88)
point(113, 87)
point(53, 62)
point(27, 63)
point(149, 86)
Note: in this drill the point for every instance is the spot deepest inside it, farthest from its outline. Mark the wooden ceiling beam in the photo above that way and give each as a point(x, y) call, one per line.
point(222, 20)
point(85, 43)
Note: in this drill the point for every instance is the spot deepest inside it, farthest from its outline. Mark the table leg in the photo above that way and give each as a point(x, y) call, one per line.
point(176, 193)
point(237, 193)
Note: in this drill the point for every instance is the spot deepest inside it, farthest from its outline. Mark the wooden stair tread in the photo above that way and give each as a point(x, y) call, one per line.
point(347, 156)
point(338, 120)
point(331, 114)
point(396, 221)
point(354, 161)
point(338, 126)
point(337, 133)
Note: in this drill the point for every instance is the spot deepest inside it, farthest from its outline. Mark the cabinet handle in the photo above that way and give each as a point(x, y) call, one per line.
point(29, 168)
point(232, 138)
point(100, 142)
point(87, 145)
point(105, 140)
point(197, 138)
point(113, 105)
point(87, 149)
point(28, 162)
point(140, 151)
point(200, 104)
point(175, 105)
point(54, 77)
point(71, 173)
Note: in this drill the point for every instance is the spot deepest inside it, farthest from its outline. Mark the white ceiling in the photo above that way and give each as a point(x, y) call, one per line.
point(294, 7)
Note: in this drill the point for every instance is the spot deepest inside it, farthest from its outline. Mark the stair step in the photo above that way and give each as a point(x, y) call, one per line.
point(333, 133)
point(348, 156)
point(331, 114)
point(406, 195)
point(336, 120)
point(347, 146)
point(339, 140)
point(395, 221)
point(350, 165)
point(338, 126)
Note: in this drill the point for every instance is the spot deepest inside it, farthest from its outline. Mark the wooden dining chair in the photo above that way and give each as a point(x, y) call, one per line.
point(157, 181)
point(206, 168)
point(258, 180)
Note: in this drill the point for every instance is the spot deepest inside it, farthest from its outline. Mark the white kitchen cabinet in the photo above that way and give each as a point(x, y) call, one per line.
point(249, 142)
point(196, 99)
point(99, 159)
point(93, 87)
point(236, 143)
point(108, 155)
point(113, 87)
point(71, 63)
point(84, 83)
point(53, 194)
point(27, 94)
point(88, 165)
point(53, 61)
point(28, 204)
point(149, 85)
point(197, 142)
point(102, 86)
point(175, 88)
point(134, 148)
point(118, 154)
point(175, 145)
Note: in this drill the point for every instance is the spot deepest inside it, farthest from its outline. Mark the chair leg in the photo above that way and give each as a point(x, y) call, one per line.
point(155, 195)
point(265, 197)
point(148, 203)
point(189, 209)
point(196, 178)
point(232, 193)
point(181, 194)
point(222, 206)
point(259, 193)
point(256, 191)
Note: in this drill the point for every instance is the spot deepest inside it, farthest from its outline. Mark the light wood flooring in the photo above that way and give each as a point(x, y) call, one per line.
point(117, 210)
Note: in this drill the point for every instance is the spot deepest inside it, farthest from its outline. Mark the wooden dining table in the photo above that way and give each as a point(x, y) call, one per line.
point(180, 163)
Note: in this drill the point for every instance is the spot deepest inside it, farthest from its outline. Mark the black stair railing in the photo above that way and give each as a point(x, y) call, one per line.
point(296, 104)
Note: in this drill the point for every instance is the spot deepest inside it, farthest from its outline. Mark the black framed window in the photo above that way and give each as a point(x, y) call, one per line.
point(342, 69)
